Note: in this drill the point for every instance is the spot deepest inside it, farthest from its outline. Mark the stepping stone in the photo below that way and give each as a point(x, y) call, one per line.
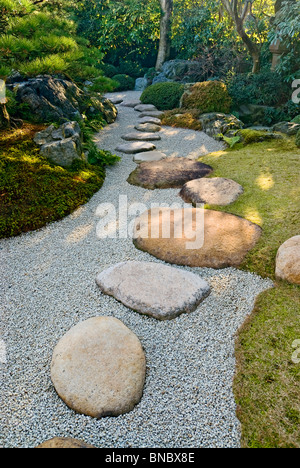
point(116, 101)
point(149, 156)
point(148, 127)
point(153, 120)
point(168, 173)
point(64, 442)
point(154, 289)
point(131, 103)
point(135, 147)
point(98, 368)
point(141, 136)
point(215, 191)
point(196, 237)
point(156, 114)
point(288, 261)
point(145, 108)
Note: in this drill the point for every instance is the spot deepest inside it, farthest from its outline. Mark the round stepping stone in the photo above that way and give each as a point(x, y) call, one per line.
point(131, 103)
point(206, 238)
point(168, 173)
point(141, 136)
point(156, 114)
point(149, 156)
point(148, 127)
point(135, 147)
point(288, 261)
point(153, 120)
point(116, 101)
point(64, 442)
point(98, 368)
point(215, 191)
point(154, 289)
point(145, 108)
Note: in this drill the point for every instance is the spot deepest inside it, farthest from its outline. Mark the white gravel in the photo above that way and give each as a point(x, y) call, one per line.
point(48, 285)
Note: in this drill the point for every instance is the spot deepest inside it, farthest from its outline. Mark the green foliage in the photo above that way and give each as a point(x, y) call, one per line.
point(208, 96)
point(231, 141)
point(133, 69)
point(102, 84)
point(266, 88)
point(298, 139)
point(125, 82)
point(182, 118)
point(250, 136)
point(165, 96)
point(296, 119)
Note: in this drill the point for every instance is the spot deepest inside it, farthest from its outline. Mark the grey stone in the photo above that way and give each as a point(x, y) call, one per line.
point(215, 123)
point(148, 119)
point(149, 156)
point(98, 368)
point(141, 136)
point(145, 108)
point(62, 152)
point(154, 289)
point(148, 127)
point(141, 84)
point(131, 103)
point(135, 147)
point(156, 114)
point(289, 128)
point(214, 191)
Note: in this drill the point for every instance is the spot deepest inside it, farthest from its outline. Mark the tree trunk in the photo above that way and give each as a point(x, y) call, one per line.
point(251, 46)
point(4, 116)
point(165, 33)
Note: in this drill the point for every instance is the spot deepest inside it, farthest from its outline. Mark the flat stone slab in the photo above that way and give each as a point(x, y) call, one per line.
point(145, 108)
point(195, 237)
point(116, 101)
point(153, 120)
point(98, 368)
point(215, 191)
point(288, 261)
point(141, 136)
point(135, 147)
point(156, 114)
point(64, 442)
point(168, 173)
point(149, 156)
point(131, 103)
point(148, 127)
point(153, 289)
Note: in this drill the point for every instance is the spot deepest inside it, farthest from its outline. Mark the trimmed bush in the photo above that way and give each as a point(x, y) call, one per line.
point(125, 82)
point(298, 139)
point(181, 118)
point(165, 96)
point(208, 96)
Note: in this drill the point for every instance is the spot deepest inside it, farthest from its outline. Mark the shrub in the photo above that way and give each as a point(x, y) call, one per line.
point(208, 96)
point(125, 82)
point(132, 69)
point(296, 119)
point(165, 96)
point(298, 139)
point(181, 118)
point(109, 70)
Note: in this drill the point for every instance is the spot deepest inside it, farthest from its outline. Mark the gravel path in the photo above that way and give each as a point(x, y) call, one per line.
point(48, 285)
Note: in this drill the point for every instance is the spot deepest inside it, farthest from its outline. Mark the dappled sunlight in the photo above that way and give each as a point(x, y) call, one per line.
point(252, 214)
point(79, 234)
point(265, 181)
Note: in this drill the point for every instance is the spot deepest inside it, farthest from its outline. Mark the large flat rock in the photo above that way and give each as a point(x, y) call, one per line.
point(153, 289)
point(148, 127)
point(195, 237)
point(149, 156)
point(98, 368)
point(145, 108)
point(156, 114)
point(135, 147)
point(214, 191)
point(168, 173)
point(149, 119)
point(139, 136)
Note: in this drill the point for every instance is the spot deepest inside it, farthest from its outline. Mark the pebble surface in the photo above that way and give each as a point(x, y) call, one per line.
point(48, 285)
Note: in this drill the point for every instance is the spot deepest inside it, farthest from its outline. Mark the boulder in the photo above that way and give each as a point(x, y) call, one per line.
point(288, 261)
point(168, 173)
point(160, 291)
point(184, 71)
point(105, 107)
point(195, 237)
point(98, 368)
point(141, 84)
point(64, 442)
point(289, 128)
point(214, 191)
point(215, 123)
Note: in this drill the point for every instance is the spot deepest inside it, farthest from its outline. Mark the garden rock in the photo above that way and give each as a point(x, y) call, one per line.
point(135, 147)
point(145, 108)
point(152, 120)
point(156, 114)
point(148, 127)
point(105, 107)
point(149, 156)
point(141, 136)
point(141, 84)
point(289, 128)
point(168, 173)
point(215, 123)
point(184, 71)
point(154, 289)
point(64, 442)
point(131, 103)
point(98, 368)
point(209, 238)
point(215, 191)
point(288, 261)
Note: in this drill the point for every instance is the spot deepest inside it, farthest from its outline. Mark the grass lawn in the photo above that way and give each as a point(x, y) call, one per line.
point(267, 381)
point(34, 192)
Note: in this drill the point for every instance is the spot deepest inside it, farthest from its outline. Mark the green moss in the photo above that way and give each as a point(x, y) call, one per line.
point(266, 385)
point(250, 136)
point(165, 96)
point(208, 96)
point(34, 192)
point(182, 118)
